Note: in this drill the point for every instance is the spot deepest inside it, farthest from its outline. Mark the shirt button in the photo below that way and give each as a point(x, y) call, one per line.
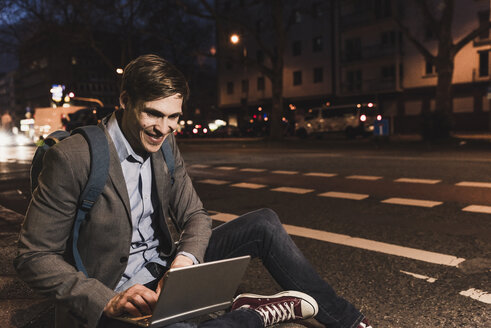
point(123, 259)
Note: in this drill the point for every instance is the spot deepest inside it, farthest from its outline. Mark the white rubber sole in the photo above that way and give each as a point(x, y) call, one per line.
point(292, 293)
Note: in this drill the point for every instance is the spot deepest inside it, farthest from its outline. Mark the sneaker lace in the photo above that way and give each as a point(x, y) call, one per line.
point(275, 313)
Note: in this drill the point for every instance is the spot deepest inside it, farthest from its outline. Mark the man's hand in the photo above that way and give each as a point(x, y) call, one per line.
point(137, 300)
point(179, 262)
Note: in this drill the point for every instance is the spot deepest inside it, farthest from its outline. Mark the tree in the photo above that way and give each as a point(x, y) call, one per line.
point(266, 25)
point(438, 17)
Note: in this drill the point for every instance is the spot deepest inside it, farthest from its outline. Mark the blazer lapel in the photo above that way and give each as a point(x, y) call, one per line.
point(116, 175)
point(161, 177)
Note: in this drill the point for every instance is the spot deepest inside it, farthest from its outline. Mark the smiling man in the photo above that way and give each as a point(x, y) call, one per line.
point(142, 224)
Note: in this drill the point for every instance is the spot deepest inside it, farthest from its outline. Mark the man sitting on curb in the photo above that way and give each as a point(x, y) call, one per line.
point(127, 244)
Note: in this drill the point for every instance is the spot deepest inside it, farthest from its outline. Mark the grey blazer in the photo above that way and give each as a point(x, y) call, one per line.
point(44, 257)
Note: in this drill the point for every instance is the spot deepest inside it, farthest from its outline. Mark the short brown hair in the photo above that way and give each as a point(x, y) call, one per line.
point(150, 77)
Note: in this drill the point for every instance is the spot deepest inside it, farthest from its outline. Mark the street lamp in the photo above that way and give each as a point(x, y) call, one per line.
point(234, 38)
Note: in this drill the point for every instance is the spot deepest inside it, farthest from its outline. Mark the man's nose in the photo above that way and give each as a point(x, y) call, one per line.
point(166, 126)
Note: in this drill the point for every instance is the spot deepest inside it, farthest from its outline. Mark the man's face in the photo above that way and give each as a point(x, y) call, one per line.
point(146, 126)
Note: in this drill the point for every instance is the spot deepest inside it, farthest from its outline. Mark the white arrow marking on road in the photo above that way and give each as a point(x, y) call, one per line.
point(226, 168)
point(285, 172)
point(409, 180)
point(364, 177)
point(345, 195)
point(412, 202)
point(214, 182)
point(477, 294)
point(319, 174)
point(253, 170)
point(478, 209)
point(248, 185)
point(474, 184)
point(420, 276)
point(300, 191)
point(371, 245)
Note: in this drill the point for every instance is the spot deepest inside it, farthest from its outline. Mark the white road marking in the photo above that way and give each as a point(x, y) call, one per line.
point(412, 202)
point(371, 245)
point(478, 209)
point(410, 180)
point(293, 190)
point(285, 172)
point(226, 168)
point(474, 184)
point(477, 294)
point(319, 174)
point(345, 195)
point(253, 170)
point(420, 276)
point(248, 185)
point(364, 177)
point(199, 166)
point(214, 182)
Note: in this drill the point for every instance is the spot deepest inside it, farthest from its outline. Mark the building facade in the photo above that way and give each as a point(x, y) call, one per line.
point(46, 60)
point(352, 51)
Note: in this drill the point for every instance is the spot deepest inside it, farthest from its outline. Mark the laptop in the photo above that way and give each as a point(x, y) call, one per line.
point(193, 291)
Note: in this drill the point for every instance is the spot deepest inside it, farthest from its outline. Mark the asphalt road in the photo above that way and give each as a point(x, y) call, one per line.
point(427, 264)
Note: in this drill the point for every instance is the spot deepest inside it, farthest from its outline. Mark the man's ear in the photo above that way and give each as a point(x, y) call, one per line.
point(123, 99)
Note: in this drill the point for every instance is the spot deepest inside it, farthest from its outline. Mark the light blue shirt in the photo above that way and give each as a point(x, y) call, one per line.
point(137, 173)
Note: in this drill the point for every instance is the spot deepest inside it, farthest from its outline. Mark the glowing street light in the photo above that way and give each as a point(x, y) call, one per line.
point(234, 38)
point(119, 71)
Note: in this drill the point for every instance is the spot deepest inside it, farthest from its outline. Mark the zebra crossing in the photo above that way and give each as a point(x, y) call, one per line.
point(475, 208)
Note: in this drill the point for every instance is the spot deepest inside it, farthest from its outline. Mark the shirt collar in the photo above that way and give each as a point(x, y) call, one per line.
point(122, 145)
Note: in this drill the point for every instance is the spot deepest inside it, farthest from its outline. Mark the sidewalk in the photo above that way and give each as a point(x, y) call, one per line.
point(21, 307)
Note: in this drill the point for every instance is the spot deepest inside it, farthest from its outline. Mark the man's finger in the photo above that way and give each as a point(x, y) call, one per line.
point(132, 309)
point(141, 303)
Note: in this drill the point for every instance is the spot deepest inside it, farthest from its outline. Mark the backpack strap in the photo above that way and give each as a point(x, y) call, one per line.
point(99, 171)
point(168, 157)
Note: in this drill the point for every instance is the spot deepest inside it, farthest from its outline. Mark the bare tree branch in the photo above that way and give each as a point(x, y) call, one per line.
point(421, 48)
point(469, 37)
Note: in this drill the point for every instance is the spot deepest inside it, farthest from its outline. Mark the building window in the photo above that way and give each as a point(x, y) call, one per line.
point(317, 44)
point(484, 63)
point(260, 83)
point(229, 65)
point(245, 86)
point(297, 78)
point(230, 88)
point(259, 25)
point(388, 38)
point(430, 68)
point(297, 48)
point(388, 72)
point(297, 17)
point(317, 9)
point(354, 80)
point(382, 8)
point(483, 19)
point(318, 75)
point(353, 49)
point(260, 56)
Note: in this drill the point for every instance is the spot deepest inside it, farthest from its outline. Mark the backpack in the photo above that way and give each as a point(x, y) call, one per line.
point(99, 171)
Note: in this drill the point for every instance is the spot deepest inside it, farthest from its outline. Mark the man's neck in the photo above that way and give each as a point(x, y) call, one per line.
point(119, 119)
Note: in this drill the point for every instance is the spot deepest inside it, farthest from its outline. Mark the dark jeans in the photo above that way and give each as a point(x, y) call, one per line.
point(260, 234)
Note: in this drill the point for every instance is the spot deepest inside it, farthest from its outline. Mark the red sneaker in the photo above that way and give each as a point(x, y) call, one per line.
point(282, 307)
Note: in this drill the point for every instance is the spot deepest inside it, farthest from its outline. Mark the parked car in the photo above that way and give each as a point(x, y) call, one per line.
point(352, 119)
point(194, 130)
point(225, 131)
